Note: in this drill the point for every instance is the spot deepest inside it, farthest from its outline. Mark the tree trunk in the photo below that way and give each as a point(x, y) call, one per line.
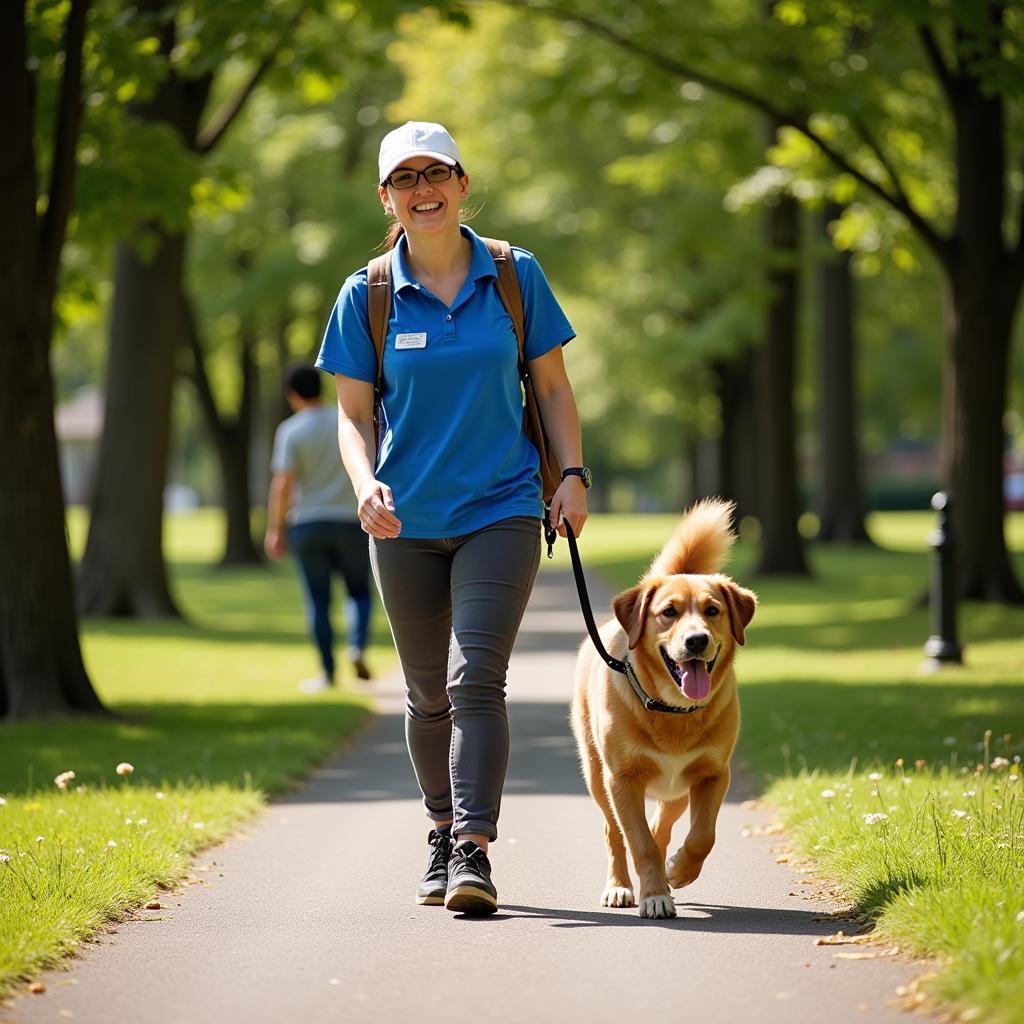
point(740, 473)
point(231, 438)
point(841, 504)
point(782, 549)
point(123, 570)
point(41, 669)
point(982, 298)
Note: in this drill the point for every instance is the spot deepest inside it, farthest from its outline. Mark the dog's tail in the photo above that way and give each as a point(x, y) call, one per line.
point(701, 542)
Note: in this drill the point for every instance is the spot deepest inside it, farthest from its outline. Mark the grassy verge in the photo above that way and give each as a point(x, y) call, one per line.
point(207, 713)
point(832, 696)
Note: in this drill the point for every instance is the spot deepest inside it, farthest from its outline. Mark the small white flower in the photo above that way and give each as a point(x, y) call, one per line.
point(893, 808)
point(969, 794)
point(874, 792)
point(4, 858)
point(1011, 777)
point(124, 768)
point(199, 824)
point(958, 813)
point(159, 795)
point(999, 762)
point(2, 801)
point(143, 821)
point(874, 819)
point(1020, 916)
point(62, 780)
point(828, 794)
point(875, 776)
point(1016, 758)
point(128, 821)
point(906, 780)
point(40, 839)
point(950, 741)
point(111, 844)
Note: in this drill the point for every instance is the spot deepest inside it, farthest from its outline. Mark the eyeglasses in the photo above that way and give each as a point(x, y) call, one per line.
point(406, 177)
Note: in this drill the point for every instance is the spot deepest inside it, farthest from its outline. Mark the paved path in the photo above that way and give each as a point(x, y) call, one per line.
point(308, 916)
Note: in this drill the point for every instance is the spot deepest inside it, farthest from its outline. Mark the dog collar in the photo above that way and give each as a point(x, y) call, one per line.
point(649, 702)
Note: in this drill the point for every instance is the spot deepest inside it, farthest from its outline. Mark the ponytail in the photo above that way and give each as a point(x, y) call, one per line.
point(391, 237)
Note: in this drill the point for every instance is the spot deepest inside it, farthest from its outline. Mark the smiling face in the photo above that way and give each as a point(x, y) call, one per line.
point(682, 629)
point(426, 208)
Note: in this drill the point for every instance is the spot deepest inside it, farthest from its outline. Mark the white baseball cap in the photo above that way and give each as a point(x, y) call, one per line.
point(416, 138)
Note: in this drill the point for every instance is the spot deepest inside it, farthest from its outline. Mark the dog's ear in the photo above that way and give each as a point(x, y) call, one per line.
point(630, 609)
point(741, 604)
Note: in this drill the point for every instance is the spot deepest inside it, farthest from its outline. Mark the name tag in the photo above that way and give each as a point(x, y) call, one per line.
point(411, 340)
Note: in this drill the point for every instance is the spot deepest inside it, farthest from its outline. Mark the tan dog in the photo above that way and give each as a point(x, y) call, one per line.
point(679, 627)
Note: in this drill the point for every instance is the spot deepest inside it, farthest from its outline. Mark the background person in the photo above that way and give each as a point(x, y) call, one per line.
point(312, 511)
point(452, 499)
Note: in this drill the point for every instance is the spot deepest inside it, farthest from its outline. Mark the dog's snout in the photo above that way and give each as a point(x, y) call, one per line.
point(695, 643)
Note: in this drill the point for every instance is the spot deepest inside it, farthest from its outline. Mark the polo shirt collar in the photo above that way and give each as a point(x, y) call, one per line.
point(481, 263)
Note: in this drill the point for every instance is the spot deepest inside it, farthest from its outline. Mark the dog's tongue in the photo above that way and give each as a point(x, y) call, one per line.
point(696, 679)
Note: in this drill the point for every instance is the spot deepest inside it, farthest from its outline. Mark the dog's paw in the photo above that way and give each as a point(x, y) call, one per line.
point(617, 896)
point(657, 906)
point(680, 870)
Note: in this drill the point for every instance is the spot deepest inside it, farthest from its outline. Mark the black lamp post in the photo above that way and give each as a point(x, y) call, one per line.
point(942, 647)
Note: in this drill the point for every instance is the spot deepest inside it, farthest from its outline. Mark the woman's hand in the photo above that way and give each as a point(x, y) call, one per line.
point(569, 503)
point(376, 511)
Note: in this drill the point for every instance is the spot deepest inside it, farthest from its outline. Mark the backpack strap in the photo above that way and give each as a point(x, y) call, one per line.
point(378, 309)
point(508, 291)
point(512, 299)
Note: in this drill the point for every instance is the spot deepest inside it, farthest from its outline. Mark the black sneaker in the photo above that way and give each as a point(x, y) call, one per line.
point(469, 881)
point(435, 882)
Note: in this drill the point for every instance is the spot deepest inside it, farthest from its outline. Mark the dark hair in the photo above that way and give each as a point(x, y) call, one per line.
point(395, 229)
point(304, 381)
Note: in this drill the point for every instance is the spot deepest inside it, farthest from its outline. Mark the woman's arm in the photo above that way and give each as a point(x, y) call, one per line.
point(355, 439)
point(562, 423)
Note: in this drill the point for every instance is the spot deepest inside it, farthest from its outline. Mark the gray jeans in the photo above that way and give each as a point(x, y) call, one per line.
point(455, 606)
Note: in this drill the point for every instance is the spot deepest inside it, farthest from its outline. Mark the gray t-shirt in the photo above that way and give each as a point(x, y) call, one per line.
point(306, 445)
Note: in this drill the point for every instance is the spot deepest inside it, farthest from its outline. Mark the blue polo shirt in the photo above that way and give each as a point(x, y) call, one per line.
point(452, 449)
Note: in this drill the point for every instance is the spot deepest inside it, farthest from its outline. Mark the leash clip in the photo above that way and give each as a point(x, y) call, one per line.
point(550, 534)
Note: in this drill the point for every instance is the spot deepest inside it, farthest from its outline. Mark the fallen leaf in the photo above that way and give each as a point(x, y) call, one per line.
point(154, 905)
point(37, 988)
point(841, 939)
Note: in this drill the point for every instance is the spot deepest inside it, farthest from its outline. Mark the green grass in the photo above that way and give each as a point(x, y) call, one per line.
point(831, 691)
point(207, 712)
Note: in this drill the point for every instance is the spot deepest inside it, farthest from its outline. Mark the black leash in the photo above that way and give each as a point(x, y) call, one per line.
point(623, 667)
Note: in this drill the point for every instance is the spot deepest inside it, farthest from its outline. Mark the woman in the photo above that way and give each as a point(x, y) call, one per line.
point(452, 499)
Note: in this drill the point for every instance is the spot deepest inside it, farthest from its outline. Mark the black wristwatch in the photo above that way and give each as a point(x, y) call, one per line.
point(582, 472)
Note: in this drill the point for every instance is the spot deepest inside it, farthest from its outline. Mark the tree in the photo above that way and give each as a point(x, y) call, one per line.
point(123, 570)
point(960, 95)
point(41, 668)
point(841, 505)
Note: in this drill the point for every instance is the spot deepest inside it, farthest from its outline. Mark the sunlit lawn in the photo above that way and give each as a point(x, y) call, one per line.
point(832, 695)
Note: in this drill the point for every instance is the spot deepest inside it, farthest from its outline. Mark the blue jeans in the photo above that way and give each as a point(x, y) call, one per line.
point(320, 549)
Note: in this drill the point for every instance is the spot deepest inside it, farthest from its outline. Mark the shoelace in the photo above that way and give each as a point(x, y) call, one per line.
point(442, 845)
point(477, 859)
